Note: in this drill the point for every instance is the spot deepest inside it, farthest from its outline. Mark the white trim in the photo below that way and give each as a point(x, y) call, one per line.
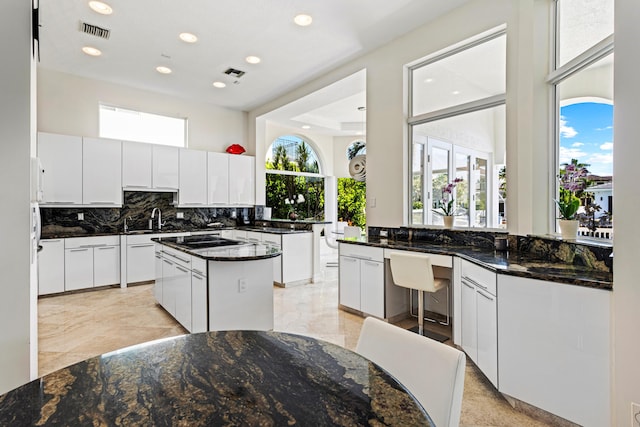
point(586, 58)
point(458, 110)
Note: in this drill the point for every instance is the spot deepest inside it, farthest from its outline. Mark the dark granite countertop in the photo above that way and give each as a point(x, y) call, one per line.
point(274, 230)
point(510, 263)
point(217, 378)
point(242, 251)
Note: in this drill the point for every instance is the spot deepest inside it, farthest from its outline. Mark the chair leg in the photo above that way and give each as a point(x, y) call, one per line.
point(421, 312)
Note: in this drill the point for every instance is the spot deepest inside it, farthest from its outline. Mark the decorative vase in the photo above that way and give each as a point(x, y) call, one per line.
point(568, 228)
point(448, 221)
point(293, 216)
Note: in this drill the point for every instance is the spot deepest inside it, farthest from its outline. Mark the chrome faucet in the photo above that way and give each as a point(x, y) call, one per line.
point(153, 215)
point(126, 227)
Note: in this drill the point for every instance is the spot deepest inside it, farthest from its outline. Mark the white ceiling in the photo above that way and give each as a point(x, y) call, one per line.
point(144, 35)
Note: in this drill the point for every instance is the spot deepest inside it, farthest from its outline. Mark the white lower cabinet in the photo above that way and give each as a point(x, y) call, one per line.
point(198, 302)
point(479, 317)
point(554, 347)
point(157, 287)
point(91, 261)
point(140, 257)
point(182, 286)
point(361, 279)
point(51, 267)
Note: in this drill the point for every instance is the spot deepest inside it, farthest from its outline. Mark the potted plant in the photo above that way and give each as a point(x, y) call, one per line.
point(445, 205)
point(572, 181)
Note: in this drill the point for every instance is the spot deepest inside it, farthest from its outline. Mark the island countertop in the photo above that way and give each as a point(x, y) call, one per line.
point(217, 378)
point(213, 248)
point(506, 262)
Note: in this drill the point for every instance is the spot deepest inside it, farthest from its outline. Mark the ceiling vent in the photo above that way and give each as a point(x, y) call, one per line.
point(94, 30)
point(234, 73)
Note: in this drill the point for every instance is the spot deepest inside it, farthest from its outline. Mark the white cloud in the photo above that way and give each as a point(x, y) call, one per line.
point(605, 128)
point(600, 158)
point(566, 131)
point(566, 154)
point(607, 146)
point(577, 144)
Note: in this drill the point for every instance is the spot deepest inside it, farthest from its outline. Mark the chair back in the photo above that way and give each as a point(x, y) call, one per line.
point(433, 372)
point(412, 270)
point(352, 231)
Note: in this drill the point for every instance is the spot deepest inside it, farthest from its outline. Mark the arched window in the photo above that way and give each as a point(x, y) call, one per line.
point(294, 185)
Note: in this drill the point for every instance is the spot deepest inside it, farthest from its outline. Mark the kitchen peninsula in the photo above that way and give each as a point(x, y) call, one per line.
point(210, 283)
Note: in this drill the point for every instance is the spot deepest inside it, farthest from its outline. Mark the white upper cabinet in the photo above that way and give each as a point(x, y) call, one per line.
point(61, 157)
point(193, 178)
point(101, 172)
point(218, 178)
point(136, 164)
point(165, 167)
point(241, 180)
point(149, 166)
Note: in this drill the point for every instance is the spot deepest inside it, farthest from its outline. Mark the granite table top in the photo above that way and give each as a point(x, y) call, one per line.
point(240, 251)
point(509, 263)
point(232, 378)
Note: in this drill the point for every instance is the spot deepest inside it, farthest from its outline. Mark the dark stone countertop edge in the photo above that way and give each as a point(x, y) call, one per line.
point(505, 263)
point(274, 251)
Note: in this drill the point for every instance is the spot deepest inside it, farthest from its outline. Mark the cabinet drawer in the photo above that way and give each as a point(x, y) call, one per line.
point(361, 252)
point(199, 265)
point(85, 242)
point(273, 239)
point(479, 276)
point(436, 259)
point(180, 258)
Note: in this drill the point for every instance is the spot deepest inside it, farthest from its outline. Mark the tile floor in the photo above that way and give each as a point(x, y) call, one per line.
point(78, 326)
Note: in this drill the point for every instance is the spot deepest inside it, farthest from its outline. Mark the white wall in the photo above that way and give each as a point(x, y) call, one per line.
point(626, 286)
point(17, 142)
point(340, 161)
point(68, 104)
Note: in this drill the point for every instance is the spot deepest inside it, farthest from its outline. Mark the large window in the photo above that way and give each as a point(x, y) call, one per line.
point(457, 128)
point(294, 185)
point(583, 85)
point(130, 125)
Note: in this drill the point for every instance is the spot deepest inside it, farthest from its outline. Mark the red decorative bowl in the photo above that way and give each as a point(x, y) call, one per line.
point(235, 149)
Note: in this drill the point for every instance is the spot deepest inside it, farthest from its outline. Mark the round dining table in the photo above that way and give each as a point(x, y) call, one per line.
point(227, 378)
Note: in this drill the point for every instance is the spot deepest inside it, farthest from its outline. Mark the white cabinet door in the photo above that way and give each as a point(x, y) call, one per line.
point(51, 267)
point(193, 178)
point(487, 320)
point(61, 157)
point(183, 296)
point(198, 303)
point(372, 288)
point(297, 257)
point(349, 277)
point(254, 236)
point(140, 262)
point(218, 178)
point(101, 172)
point(469, 320)
point(136, 164)
point(168, 286)
point(78, 268)
point(106, 265)
point(165, 167)
point(241, 180)
point(157, 288)
point(276, 240)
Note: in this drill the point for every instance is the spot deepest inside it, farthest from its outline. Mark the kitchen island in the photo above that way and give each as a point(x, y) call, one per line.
point(208, 283)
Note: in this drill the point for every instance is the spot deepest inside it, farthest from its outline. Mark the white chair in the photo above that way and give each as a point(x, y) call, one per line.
point(414, 271)
point(352, 231)
point(433, 372)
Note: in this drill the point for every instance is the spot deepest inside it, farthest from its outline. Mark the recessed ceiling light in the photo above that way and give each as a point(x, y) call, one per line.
point(219, 84)
point(163, 70)
point(455, 92)
point(306, 127)
point(252, 59)
point(188, 37)
point(303, 20)
point(429, 80)
point(100, 7)
point(91, 51)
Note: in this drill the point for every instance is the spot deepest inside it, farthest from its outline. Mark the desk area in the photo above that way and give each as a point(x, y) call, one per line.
point(217, 378)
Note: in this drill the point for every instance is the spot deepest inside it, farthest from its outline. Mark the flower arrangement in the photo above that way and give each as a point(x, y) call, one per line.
point(572, 181)
point(446, 206)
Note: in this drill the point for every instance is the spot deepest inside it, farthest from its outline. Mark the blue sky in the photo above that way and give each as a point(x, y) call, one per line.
point(586, 134)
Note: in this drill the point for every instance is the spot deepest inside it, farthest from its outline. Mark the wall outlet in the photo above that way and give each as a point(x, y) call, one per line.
point(242, 285)
point(372, 202)
point(383, 233)
point(635, 414)
point(180, 215)
point(80, 216)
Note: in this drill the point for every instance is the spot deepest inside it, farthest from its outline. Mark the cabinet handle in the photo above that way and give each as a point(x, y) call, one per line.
point(198, 272)
point(372, 263)
point(350, 259)
point(92, 246)
point(61, 203)
point(186, 261)
point(79, 250)
point(49, 241)
point(486, 296)
point(467, 285)
point(107, 247)
point(141, 246)
point(102, 203)
point(470, 280)
point(158, 256)
point(167, 261)
point(182, 269)
point(196, 276)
